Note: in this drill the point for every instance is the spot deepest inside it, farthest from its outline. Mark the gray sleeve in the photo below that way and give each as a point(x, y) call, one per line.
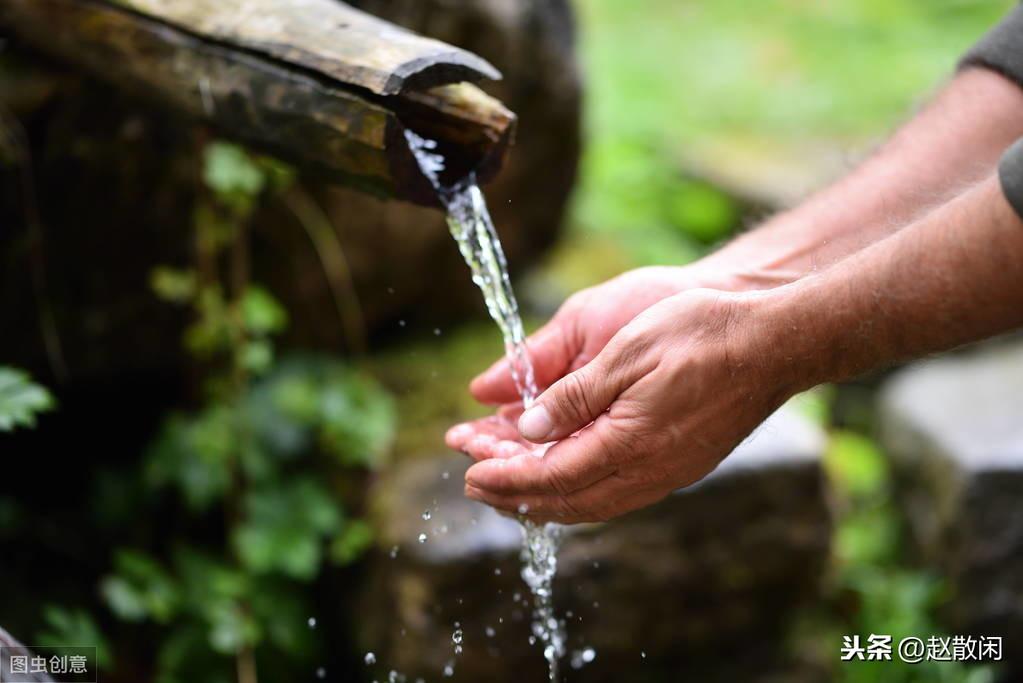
point(1001, 49)
point(1010, 175)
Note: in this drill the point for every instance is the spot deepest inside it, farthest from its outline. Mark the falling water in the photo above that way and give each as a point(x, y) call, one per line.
point(473, 230)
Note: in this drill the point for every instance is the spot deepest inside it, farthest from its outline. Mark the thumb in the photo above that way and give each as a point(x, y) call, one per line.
point(552, 352)
point(574, 401)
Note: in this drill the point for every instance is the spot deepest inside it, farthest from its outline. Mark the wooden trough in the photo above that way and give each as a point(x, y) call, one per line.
point(316, 82)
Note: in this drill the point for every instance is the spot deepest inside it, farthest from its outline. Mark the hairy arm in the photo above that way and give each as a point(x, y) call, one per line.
point(953, 277)
point(954, 142)
point(681, 385)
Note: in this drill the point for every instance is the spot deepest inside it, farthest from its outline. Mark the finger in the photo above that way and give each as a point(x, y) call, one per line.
point(567, 466)
point(484, 447)
point(576, 399)
point(456, 437)
point(511, 413)
point(459, 436)
point(551, 351)
point(609, 498)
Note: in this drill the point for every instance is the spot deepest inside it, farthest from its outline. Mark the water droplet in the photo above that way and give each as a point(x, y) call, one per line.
point(523, 509)
point(426, 515)
point(581, 658)
point(445, 475)
point(497, 571)
point(457, 636)
point(422, 538)
point(458, 649)
point(312, 622)
point(370, 659)
point(449, 670)
point(490, 632)
point(436, 331)
point(401, 323)
point(394, 552)
point(643, 654)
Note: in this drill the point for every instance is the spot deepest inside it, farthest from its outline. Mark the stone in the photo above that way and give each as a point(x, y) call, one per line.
point(702, 582)
point(954, 428)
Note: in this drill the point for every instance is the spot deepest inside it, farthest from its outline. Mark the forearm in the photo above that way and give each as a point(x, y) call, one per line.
point(953, 277)
point(955, 141)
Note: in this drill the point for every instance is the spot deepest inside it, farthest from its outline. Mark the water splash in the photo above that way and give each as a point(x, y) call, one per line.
point(473, 230)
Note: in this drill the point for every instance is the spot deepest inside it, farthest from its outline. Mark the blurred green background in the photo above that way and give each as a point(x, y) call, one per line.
point(779, 91)
point(695, 112)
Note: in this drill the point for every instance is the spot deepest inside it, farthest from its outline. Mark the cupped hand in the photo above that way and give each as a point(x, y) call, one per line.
point(583, 326)
point(669, 396)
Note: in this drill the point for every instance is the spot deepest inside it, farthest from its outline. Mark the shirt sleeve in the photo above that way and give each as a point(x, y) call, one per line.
point(1001, 49)
point(1010, 175)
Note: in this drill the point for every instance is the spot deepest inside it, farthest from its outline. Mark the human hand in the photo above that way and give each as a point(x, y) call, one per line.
point(585, 323)
point(658, 408)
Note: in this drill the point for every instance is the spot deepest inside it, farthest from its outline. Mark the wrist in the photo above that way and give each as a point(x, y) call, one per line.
point(733, 273)
point(786, 341)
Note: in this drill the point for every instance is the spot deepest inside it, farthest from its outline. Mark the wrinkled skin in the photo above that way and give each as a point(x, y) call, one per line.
point(583, 326)
point(655, 407)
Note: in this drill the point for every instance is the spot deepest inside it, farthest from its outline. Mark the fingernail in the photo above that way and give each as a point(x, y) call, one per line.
point(535, 424)
point(458, 435)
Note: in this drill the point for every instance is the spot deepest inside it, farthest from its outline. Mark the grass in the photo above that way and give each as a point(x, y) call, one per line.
point(771, 77)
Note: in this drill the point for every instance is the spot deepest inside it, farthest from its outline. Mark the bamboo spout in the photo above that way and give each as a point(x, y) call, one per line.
point(313, 81)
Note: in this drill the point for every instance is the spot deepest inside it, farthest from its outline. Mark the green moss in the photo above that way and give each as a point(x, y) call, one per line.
point(429, 379)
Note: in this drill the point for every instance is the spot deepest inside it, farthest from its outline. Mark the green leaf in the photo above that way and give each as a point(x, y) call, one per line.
point(231, 628)
point(856, 465)
point(256, 356)
point(73, 628)
point(193, 454)
point(323, 401)
point(211, 332)
point(21, 400)
point(262, 313)
point(353, 541)
point(283, 610)
point(173, 285)
point(142, 589)
point(285, 527)
point(230, 172)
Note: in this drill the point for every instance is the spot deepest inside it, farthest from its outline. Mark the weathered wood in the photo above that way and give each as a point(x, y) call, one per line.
point(327, 36)
point(272, 97)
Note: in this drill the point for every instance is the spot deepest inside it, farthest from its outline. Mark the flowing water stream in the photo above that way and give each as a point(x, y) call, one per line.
point(473, 230)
